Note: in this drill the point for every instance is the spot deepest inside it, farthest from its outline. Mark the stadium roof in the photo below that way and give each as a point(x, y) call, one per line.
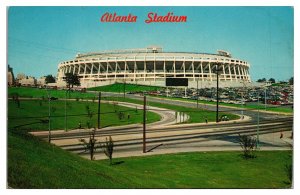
point(145, 52)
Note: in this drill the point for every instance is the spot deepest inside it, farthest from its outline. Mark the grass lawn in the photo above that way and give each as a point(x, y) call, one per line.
point(36, 164)
point(254, 107)
point(39, 93)
point(119, 88)
point(196, 115)
point(30, 112)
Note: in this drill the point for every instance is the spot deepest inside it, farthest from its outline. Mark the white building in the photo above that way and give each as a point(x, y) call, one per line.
point(41, 81)
point(28, 81)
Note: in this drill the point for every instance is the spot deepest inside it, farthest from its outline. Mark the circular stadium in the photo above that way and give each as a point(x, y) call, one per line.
point(151, 66)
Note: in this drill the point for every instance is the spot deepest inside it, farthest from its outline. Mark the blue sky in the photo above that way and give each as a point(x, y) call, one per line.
point(39, 38)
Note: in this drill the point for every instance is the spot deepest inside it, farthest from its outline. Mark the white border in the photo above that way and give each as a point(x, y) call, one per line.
point(3, 18)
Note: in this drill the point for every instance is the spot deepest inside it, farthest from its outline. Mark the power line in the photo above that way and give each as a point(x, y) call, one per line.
point(36, 44)
point(39, 55)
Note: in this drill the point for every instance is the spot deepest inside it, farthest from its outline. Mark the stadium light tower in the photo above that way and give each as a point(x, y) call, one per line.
point(217, 71)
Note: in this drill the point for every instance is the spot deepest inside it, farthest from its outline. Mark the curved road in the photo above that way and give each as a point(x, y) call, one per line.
point(273, 131)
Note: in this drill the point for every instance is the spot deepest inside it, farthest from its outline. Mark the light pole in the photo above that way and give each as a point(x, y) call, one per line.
point(66, 111)
point(242, 105)
point(99, 103)
point(124, 83)
point(144, 126)
point(243, 100)
point(265, 96)
point(257, 131)
point(49, 117)
point(217, 116)
point(197, 93)
point(217, 71)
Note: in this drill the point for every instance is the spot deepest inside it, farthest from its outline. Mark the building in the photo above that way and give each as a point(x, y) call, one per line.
point(28, 81)
point(41, 81)
point(21, 76)
point(10, 76)
point(151, 66)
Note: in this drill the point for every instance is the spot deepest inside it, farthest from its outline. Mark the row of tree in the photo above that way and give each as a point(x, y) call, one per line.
point(263, 80)
point(70, 78)
point(272, 80)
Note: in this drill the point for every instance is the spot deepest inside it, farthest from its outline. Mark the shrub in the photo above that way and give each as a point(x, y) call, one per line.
point(109, 148)
point(289, 172)
point(91, 145)
point(248, 144)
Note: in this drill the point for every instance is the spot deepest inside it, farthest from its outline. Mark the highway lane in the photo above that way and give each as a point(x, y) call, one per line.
point(135, 129)
point(179, 138)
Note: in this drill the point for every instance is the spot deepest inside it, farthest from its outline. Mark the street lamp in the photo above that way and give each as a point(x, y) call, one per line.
point(265, 87)
point(197, 93)
point(217, 71)
point(49, 116)
point(243, 100)
point(124, 88)
point(66, 128)
point(257, 130)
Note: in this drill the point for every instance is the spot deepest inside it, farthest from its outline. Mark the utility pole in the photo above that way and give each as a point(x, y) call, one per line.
point(144, 126)
point(243, 105)
point(99, 102)
point(197, 93)
point(66, 111)
point(124, 83)
point(49, 117)
point(217, 114)
point(266, 97)
point(257, 131)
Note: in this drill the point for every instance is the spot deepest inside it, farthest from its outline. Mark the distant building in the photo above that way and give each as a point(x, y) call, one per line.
point(41, 81)
point(28, 81)
point(10, 76)
point(21, 76)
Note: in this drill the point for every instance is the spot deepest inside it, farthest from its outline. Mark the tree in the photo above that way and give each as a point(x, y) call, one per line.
point(49, 79)
point(90, 114)
point(248, 144)
point(91, 145)
point(71, 80)
point(261, 80)
point(272, 80)
point(291, 81)
point(109, 148)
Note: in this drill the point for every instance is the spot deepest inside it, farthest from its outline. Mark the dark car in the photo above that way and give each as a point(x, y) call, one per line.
point(53, 98)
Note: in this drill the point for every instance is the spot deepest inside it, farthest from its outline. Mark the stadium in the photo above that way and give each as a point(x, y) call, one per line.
point(151, 66)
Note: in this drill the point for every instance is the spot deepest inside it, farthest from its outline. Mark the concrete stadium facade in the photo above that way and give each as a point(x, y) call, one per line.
point(151, 66)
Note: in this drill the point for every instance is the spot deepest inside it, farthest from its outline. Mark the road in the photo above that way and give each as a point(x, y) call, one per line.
point(251, 113)
point(187, 137)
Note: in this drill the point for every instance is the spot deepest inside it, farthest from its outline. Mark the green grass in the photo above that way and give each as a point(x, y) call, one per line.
point(253, 107)
point(39, 93)
point(36, 164)
point(119, 88)
point(196, 115)
point(30, 112)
